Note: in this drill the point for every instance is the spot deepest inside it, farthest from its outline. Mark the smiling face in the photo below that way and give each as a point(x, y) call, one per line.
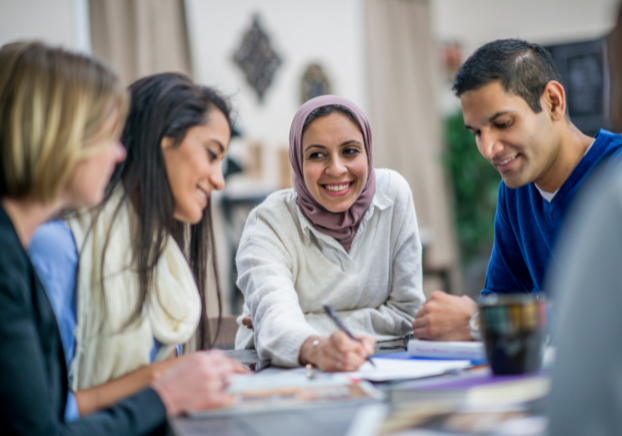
point(522, 145)
point(334, 163)
point(193, 166)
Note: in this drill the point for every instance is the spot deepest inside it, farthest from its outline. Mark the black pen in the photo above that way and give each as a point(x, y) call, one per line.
point(333, 315)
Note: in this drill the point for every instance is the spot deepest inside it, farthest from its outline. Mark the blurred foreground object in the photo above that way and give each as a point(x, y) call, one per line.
point(586, 391)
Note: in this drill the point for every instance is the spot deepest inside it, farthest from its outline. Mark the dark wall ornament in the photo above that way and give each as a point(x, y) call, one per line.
point(583, 69)
point(314, 83)
point(257, 59)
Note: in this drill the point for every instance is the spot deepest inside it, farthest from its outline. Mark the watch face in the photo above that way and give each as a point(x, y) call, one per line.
point(474, 327)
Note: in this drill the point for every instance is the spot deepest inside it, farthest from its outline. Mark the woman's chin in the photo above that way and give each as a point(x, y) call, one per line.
point(336, 207)
point(188, 217)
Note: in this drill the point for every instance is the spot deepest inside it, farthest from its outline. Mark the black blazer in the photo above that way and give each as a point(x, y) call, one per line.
point(33, 374)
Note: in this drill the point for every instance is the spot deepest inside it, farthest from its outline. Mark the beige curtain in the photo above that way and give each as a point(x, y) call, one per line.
point(140, 37)
point(405, 121)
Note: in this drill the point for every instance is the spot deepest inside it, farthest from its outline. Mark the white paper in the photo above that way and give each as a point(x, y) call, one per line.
point(398, 369)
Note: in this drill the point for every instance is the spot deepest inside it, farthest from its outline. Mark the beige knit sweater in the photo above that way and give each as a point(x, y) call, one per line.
point(105, 347)
point(287, 268)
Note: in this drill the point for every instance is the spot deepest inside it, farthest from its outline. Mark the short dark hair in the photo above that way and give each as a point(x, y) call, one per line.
point(523, 68)
point(323, 111)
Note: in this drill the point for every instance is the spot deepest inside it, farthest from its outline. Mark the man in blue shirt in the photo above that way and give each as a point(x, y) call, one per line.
point(515, 105)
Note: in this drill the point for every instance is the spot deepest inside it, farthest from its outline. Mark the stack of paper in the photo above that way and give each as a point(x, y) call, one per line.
point(399, 369)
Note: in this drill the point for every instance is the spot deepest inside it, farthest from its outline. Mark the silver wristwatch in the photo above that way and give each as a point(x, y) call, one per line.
point(474, 327)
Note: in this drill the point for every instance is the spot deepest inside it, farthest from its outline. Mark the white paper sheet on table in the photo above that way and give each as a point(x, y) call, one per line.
point(397, 369)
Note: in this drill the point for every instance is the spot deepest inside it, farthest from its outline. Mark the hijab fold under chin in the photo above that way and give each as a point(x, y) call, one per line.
point(343, 225)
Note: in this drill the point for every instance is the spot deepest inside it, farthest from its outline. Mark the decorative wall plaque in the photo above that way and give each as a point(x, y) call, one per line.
point(257, 58)
point(314, 83)
point(583, 69)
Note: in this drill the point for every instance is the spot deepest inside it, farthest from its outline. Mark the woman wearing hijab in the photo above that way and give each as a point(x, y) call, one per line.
point(346, 234)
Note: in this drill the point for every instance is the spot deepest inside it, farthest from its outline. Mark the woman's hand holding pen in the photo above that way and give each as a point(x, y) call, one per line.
point(337, 352)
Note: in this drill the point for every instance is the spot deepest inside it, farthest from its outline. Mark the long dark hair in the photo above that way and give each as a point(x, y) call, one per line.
point(165, 105)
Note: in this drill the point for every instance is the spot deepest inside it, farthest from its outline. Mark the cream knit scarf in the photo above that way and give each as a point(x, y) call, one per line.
point(105, 347)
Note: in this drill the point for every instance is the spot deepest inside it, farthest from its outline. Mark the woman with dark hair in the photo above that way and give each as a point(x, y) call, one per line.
point(127, 295)
point(61, 115)
point(346, 234)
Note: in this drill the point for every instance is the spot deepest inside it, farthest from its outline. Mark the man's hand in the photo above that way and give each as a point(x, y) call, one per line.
point(445, 317)
point(337, 352)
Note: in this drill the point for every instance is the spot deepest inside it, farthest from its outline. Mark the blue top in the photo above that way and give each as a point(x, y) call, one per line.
point(55, 257)
point(527, 225)
point(54, 254)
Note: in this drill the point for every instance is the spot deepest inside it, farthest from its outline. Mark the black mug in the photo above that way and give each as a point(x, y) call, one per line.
point(513, 328)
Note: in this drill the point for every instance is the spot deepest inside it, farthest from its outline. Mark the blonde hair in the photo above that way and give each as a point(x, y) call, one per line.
point(53, 103)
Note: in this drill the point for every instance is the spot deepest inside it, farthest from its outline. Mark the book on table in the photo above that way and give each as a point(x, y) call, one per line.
point(473, 402)
point(471, 350)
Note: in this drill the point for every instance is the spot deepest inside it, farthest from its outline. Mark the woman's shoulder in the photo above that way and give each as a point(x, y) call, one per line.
point(276, 216)
point(392, 184)
point(277, 206)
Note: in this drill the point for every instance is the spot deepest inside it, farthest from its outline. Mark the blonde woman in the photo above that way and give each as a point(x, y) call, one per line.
point(60, 120)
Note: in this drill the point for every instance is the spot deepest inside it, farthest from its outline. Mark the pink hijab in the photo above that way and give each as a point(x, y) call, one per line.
point(341, 226)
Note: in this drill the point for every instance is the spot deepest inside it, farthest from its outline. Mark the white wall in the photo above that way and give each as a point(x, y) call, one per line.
point(330, 32)
point(58, 22)
point(475, 22)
